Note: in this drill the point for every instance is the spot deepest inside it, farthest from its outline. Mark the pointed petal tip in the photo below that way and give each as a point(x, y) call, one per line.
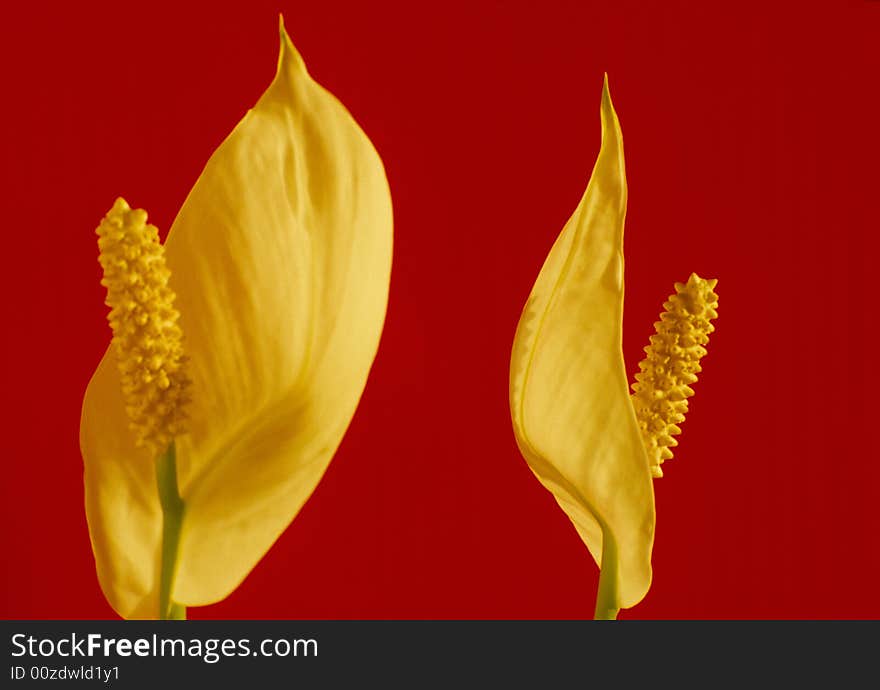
point(612, 137)
point(606, 109)
point(288, 52)
point(282, 30)
point(606, 90)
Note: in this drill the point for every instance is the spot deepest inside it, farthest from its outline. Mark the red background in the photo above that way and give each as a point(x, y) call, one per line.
point(752, 148)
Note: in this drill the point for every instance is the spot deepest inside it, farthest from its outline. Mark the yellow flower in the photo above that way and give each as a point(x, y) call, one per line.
point(280, 261)
point(572, 415)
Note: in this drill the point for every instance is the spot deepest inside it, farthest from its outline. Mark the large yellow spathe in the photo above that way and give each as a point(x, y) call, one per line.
point(569, 399)
point(280, 259)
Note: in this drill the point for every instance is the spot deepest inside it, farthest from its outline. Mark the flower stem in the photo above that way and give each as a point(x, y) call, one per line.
point(172, 520)
point(606, 595)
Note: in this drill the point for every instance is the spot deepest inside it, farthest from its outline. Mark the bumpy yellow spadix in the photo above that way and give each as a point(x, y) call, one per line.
point(280, 259)
point(671, 366)
point(146, 336)
point(569, 398)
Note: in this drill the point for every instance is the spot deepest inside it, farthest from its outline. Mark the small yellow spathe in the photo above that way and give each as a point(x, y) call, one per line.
point(280, 259)
point(569, 399)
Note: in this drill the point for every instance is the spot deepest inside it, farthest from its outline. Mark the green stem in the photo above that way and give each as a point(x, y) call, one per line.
point(172, 520)
point(606, 595)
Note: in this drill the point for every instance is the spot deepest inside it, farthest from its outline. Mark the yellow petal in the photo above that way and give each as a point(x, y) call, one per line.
point(569, 401)
point(280, 259)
